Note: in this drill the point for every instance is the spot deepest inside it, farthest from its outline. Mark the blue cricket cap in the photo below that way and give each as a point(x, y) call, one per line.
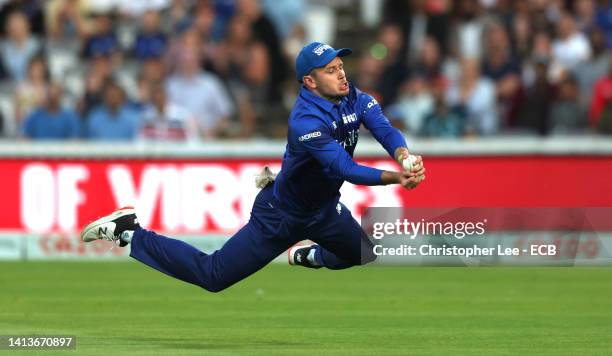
point(316, 55)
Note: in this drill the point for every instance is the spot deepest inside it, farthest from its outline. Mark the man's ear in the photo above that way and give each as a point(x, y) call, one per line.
point(309, 82)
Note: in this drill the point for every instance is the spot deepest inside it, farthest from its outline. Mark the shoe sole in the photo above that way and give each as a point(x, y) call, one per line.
point(104, 220)
point(290, 253)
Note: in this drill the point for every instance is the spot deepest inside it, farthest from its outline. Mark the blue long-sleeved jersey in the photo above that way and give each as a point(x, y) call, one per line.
point(321, 141)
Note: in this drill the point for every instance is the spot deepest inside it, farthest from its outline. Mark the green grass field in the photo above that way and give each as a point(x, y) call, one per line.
point(127, 308)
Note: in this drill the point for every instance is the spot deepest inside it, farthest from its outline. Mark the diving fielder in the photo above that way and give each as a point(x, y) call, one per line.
point(302, 202)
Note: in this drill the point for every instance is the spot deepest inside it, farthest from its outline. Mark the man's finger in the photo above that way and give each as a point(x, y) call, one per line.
point(417, 173)
point(416, 167)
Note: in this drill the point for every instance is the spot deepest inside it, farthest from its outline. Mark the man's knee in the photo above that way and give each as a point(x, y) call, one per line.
point(214, 284)
point(214, 287)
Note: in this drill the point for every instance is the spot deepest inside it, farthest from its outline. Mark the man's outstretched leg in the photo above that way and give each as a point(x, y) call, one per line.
point(242, 255)
point(249, 250)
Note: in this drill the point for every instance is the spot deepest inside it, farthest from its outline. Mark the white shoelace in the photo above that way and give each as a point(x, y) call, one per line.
point(110, 238)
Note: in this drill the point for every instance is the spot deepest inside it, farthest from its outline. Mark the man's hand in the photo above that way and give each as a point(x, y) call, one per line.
point(411, 179)
point(407, 179)
point(401, 153)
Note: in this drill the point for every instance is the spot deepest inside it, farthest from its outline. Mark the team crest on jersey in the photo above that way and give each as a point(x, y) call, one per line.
point(347, 119)
point(320, 49)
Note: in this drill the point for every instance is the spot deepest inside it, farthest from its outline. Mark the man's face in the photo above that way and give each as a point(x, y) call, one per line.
point(54, 96)
point(330, 81)
point(113, 97)
point(159, 96)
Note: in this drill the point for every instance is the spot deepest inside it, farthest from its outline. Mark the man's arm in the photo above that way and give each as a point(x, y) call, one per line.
point(408, 180)
point(375, 121)
point(392, 140)
point(312, 136)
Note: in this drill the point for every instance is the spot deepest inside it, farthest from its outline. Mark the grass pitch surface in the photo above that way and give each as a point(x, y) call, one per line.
point(130, 309)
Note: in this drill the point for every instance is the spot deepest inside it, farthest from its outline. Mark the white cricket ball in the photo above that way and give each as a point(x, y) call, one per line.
point(408, 162)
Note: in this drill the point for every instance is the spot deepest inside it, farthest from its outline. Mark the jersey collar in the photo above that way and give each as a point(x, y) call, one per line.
point(311, 97)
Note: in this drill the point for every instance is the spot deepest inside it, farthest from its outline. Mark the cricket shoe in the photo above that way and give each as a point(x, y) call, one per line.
point(301, 255)
point(117, 227)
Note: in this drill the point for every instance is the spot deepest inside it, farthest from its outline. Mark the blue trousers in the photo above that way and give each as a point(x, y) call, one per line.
point(341, 243)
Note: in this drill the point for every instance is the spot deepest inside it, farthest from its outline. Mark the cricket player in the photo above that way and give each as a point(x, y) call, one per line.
point(301, 202)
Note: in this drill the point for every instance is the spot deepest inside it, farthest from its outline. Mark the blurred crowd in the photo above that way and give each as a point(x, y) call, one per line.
point(180, 70)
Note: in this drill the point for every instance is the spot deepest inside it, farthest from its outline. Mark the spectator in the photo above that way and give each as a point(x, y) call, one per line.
point(587, 73)
point(431, 64)
point(19, 47)
point(521, 36)
point(178, 18)
point(469, 30)
point(114, 120)
point(368, 74)
point(263, 31)
point(443, 121)
point(414, 103)
point(51, 121)
point(33, 11)
point(103, 42)
point(541, 52)
point(202, 93)
point(418, 23)
point(66, 19)
point(203, 22)
point(165, 121)
point(390, 51)
point(187, 41)
point(142, 98)
point(569, 48)
point(475, 95)
point(537, 100)
point(585, 14)
point(31, 93)
point(270, 117)
point(604, 19)
point(150, 41)
point(153, 71)
point(567, 115)
point(233, 52)
point(600, 112)
point(100, 73)
point(502, 68)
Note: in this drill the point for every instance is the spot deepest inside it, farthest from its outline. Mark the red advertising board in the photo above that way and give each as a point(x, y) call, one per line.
point(215, 195)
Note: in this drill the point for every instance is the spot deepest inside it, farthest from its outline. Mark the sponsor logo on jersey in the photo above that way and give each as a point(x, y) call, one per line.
point(372, 103)
point(308, 136)
point(347, 119)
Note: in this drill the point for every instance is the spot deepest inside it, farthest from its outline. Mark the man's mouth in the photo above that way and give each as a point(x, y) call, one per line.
point(344, 86)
